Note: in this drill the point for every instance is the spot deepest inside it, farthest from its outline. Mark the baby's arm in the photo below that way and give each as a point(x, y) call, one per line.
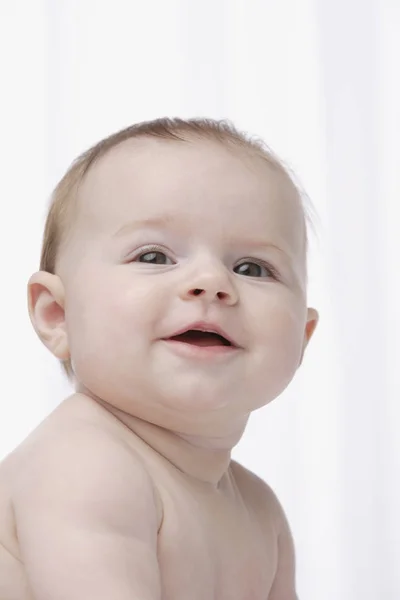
point(86, 521)
point(284, 585)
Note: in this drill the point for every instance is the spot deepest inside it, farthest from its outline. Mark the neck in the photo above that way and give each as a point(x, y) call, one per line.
point(202, 457)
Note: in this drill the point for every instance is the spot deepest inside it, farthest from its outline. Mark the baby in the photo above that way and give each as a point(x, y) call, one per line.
point(172, 288)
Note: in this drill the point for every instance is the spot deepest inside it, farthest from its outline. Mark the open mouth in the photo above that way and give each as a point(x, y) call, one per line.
point(201, 338)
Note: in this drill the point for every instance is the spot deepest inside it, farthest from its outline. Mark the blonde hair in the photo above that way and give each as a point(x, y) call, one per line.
point(63, 202)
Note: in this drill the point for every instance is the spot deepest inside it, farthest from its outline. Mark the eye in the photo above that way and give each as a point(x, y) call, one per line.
point(154, 258)
point(253, 269)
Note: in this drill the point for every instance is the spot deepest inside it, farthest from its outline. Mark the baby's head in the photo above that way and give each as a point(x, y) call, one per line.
point(167, 226)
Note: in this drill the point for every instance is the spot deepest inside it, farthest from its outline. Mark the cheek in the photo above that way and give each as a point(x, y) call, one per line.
point(288, 335)
point(108, 318)
point(279, 340)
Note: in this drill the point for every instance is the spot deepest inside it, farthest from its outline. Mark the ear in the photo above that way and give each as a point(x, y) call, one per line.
point(46, 311)
point(312, 321)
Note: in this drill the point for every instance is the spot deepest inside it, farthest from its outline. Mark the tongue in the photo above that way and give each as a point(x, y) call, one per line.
point(200, 338)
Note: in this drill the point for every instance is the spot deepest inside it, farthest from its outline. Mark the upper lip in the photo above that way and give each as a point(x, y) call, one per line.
point(206, 327)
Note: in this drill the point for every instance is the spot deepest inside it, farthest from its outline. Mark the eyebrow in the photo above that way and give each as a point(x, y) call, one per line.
point(167, 220)
point(150, 222)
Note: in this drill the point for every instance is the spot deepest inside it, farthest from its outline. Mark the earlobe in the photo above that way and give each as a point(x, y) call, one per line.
point(46, 311)
point(312, 322)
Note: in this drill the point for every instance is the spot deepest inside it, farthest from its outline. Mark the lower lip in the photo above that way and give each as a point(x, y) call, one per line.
point(191, 350)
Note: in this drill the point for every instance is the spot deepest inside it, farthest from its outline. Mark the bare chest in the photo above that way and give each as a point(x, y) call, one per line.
point(214, 548)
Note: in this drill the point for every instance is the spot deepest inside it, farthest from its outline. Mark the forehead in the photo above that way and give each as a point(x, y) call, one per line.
point(201, 183)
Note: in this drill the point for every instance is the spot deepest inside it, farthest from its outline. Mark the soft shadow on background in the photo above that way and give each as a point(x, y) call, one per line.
point(319, 81)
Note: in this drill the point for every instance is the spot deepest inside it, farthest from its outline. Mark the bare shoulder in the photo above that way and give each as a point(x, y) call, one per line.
point(272, 520)
point(78, 442)
point(78, 432)
point(85, 510)
point(75, 427)
point(258, 494)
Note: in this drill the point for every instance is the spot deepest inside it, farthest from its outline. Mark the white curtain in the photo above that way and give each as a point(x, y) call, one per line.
point(320, 82)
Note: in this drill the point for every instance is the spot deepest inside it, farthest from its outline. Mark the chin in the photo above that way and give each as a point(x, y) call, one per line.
point(197, 403)
point(197, 397)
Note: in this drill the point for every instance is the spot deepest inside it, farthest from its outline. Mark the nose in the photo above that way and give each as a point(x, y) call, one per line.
point(210, 283)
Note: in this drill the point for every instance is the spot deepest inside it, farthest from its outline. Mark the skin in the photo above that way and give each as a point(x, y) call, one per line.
point(127, 490)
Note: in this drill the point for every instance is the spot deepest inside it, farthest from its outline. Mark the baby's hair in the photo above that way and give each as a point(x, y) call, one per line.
point(63, 202)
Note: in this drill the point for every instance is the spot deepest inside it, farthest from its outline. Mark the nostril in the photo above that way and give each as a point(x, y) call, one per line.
point(199, 292)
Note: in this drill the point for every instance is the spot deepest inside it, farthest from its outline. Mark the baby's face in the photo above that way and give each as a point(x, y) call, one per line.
point(172, 234)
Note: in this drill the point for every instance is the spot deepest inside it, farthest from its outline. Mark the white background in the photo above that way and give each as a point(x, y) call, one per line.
point(319, 81)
